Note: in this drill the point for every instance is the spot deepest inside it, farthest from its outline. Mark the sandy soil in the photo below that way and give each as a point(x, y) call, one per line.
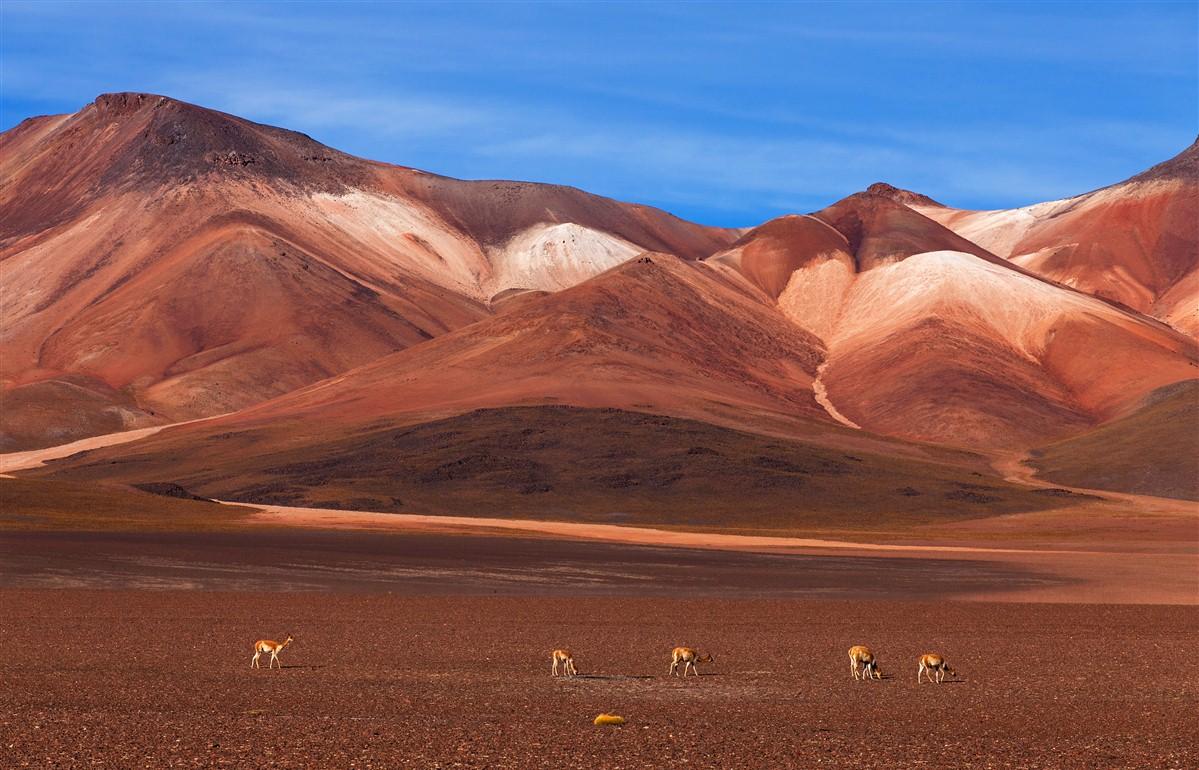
point(328, 518)
point(161, 679)
point(1153, 576)
point(35, 458)
point(1016, 467)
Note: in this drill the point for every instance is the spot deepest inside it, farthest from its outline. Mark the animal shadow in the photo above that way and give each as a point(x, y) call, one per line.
point(701, 676)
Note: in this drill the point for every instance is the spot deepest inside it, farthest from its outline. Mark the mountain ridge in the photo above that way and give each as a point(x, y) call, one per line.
point(208, 265)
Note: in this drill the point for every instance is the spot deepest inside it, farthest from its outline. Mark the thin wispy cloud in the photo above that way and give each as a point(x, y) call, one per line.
point(792, 174)
point(393, 115)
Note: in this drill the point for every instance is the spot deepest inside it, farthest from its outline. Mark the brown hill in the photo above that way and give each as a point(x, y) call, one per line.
point(656, 334)
point(1153, 450)
point(662, 391)
point(683, 387)
point(162, 261)
point(879, 229)
point(573, 463)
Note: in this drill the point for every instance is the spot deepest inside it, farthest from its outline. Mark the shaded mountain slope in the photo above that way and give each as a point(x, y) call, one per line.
point(879, 230)
point(1154, 450)
point(576, 464)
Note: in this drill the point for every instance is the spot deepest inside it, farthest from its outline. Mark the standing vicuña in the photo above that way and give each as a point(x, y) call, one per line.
point(271, 646)
point(860, 655)
point(566, 659)
point(932, 662)
point(688, 657)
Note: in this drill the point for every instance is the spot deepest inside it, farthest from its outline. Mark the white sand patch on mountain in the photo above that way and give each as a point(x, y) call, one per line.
point(813, 296)
point(400, 234)
point(999, 231)
point(554, 257)
point(35, 458)
point(953, 285)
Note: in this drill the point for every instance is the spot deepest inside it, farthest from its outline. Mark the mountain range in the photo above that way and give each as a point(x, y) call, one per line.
point(363, 335)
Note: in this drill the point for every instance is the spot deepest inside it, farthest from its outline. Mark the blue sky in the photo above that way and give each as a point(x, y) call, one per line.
point(722, 113)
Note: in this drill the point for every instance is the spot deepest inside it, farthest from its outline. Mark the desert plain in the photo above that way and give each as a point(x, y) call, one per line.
point(423, 641)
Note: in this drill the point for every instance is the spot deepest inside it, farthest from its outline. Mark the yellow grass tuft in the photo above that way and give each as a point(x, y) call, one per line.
point(609, 719)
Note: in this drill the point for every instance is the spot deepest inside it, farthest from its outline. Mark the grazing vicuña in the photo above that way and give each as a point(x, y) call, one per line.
point(861, 656)
point(566, 659)
point(688, 657)
point(931, 663)
point(271, 646)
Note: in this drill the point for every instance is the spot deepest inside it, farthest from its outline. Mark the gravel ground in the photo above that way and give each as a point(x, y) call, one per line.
point(129, 679)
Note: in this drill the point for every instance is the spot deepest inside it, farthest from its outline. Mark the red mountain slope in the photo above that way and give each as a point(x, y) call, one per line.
point(657, 334)
point(1136, 242)
point(932, 338)
point(162, 261)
